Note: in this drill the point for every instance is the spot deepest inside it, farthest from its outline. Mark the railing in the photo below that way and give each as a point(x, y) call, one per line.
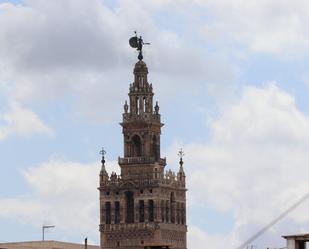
point(144, 182)
point(146, 225)
point(141, 116)
point(141, 160)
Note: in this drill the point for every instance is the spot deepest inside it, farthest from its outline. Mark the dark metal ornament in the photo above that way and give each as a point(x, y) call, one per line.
point(103, 152)
point(133, 42)
point(140, 55)
point(137, 42)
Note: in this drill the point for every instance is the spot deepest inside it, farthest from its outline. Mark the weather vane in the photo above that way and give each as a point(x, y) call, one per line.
point(137, 42)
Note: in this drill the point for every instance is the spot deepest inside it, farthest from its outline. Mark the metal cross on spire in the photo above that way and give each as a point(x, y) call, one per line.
point(137, 42)
point(103, 152)
point(181, 154)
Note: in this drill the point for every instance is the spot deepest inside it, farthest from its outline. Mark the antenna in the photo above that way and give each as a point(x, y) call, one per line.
point(137, 42)
point(43, 231)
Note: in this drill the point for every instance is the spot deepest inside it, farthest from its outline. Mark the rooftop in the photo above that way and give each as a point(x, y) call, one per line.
point(47, 244)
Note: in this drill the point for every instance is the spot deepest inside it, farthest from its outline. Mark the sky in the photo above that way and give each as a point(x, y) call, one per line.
point(232, 82)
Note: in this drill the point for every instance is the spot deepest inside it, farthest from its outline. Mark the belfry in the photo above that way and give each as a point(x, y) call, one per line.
point(144, 206)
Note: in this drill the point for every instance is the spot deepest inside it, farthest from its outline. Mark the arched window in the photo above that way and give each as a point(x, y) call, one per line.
point(163, 210)
point(129, 207)
point(107, 213)
point(150, 210)
point(117, 212)
point(141, 211)
point(136, 146)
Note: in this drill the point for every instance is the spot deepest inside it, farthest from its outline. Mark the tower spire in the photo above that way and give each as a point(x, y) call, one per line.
point(181, 176)
point(103, 173)
point(141, 119)
point(181, 154)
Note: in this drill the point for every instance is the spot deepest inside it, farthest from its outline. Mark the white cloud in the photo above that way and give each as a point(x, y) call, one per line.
point(55, 35)
point(254, 167)
point(64, 194)
point(21, 121)
point(272, 27)
point(197, 238)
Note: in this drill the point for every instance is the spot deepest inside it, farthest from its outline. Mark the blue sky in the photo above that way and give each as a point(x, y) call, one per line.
point(232, 82)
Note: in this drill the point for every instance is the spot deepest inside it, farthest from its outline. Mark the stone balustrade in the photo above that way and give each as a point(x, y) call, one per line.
point(140, 160)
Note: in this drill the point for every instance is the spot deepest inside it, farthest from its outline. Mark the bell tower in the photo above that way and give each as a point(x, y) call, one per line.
point(145, 206)
point(141, 130)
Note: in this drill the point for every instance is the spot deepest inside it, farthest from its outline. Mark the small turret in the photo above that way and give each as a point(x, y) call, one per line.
point(140, 94)
point(181, 176)
point(141, 124)
point(103, 173)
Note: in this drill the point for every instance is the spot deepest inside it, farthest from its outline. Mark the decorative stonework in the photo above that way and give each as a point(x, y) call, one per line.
point(144, 206)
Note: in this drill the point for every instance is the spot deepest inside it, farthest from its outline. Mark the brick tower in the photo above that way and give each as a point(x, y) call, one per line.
point(144, 206)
